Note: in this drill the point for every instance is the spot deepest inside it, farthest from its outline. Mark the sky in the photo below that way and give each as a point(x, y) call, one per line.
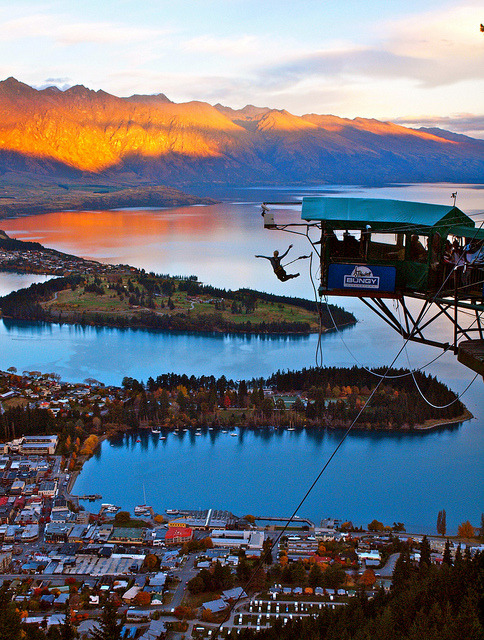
point(416, 63)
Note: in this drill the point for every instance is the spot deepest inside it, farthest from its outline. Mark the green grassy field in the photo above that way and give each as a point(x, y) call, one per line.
point(111, 303)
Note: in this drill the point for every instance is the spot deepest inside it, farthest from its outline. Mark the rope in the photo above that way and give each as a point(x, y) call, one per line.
point(325, 466)
point(295, 260)
point(359, 363)
point(434, 406)
point(315, 481)
point(318, 358)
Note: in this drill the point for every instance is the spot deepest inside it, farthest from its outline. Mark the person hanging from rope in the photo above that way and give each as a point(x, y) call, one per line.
point(279, 270)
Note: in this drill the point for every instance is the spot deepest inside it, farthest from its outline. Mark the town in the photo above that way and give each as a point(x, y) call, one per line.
point(172, 572)
point(183, 570)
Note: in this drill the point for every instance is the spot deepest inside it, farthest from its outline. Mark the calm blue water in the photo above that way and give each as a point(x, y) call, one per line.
point(392, 478)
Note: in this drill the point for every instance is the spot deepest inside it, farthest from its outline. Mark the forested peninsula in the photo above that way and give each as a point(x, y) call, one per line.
point(313, 399)
point(132, 298)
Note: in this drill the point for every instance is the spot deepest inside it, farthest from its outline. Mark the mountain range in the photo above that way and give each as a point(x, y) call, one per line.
point(81, 134)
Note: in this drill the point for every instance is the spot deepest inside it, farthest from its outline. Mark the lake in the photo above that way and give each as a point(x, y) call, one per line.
point(405, 478)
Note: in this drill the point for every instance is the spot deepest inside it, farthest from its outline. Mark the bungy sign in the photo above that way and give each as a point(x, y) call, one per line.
point(361, 277)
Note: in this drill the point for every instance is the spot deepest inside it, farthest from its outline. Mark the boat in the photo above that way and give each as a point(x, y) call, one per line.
point(110, 508)
point(234, 434)
point(172, 512)
point(155, 431)
point(162, 437)
point(143, 509)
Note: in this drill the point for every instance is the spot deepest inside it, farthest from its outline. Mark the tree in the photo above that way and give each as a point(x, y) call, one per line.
point(143, 598)
point(375, 525)
point(151, 561)
point(9, 617)
point(334, 576)
point(109, 628)
point(195, 585)
point(447, 557)
point(425, 559)
point(122, 517)
point(368, 578)
point(442, 523)
point(67, 630)
point(315, 576)
point(465, 530)
point(402, 570)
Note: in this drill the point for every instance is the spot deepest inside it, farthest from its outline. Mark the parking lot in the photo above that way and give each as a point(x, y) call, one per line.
point(94, 566)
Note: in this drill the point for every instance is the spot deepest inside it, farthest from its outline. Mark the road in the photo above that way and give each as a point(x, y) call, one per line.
point(387, 570)
point(186, 573)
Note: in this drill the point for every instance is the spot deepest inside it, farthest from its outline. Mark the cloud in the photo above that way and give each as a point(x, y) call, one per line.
point(61, 83)
point(431, 49)
point(64, 32)
point(242, 46)
point(465, 123)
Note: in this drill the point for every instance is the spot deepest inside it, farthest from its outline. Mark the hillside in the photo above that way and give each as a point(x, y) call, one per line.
point(78, 136)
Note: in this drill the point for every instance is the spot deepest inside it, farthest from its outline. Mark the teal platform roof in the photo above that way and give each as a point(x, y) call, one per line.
point(356, 213)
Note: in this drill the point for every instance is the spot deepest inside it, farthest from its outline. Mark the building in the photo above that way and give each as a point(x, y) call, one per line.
point(57, 531)
point(178, 535)
point(36, 445)
point(228, 538)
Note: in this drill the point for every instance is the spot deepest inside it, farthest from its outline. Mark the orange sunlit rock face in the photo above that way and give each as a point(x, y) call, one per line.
point(153, 139)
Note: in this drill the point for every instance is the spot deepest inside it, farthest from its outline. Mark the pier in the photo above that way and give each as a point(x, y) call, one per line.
point(91, 497)
point(296, 519)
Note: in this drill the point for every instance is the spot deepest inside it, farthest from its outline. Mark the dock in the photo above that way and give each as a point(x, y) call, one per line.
point(296, 520)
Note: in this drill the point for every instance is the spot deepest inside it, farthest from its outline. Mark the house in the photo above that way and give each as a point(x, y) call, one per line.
point(215, 606)
point(158, 580)
point(131, 594)
point(48, 488)
point(234, 594)
point(36, 445)
point(154, 631)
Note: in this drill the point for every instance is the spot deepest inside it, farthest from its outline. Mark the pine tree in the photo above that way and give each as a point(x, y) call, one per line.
point(109, 627)
point(402, 570)
point(425, 559)
point(67, 631)
point(447, 558)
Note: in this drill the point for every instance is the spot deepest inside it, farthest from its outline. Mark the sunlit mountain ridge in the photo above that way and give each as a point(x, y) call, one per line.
point(150, 139)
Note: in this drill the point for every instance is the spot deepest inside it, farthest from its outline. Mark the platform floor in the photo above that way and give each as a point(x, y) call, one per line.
point(471, 354)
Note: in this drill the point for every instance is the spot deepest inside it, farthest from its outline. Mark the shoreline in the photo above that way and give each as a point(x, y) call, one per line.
point(467, 415)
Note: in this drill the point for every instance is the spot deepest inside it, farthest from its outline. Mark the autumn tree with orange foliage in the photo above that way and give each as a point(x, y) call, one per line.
point(143, 599)
point(368, 578)
point(465, 530)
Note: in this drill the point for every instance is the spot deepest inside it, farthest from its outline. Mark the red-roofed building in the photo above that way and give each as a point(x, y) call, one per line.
point(178, 535)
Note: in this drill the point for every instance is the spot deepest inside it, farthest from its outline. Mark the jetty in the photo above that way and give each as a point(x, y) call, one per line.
point(296, 519)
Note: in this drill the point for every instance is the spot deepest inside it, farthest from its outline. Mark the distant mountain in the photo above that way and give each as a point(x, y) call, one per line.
point(80, 133)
